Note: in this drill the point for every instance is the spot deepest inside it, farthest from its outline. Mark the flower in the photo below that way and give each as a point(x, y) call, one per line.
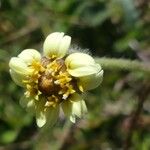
point(55, 80)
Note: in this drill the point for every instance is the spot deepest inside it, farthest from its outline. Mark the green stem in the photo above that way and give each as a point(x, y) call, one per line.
point(123, 64)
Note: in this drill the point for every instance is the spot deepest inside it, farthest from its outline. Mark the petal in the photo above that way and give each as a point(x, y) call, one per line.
point(28, 103)
point(79, 108)
point(56, 44)
point(40, 118)
point(91, 81)
point(73, 106)
point(40, 113)
point(64, 46)
point(72, 118)
point(29, 55)
point(31, 105)
point(18, 66)
point(85, 70)
point(23, 101)
point(17, 78)
point(48, 117)
point(51, 43)
point(52, 114)
point(67, 109)
point(80, 64)
point(76, 60)
point(75, 97)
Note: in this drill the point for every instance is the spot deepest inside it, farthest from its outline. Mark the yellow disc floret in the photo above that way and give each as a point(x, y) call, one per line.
point(49, 78)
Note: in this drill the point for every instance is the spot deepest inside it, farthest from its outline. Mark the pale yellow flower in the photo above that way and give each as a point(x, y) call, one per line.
point(55, 80)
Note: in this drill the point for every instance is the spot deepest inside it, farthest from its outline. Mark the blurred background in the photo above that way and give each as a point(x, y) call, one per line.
point(108, 28)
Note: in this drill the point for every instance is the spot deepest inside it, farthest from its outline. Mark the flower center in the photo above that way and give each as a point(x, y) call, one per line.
point(51, 80)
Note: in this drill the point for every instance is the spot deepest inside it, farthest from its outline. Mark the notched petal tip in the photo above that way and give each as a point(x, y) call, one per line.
point(92, 81)
point(79, 108)
point(40, 119)
point(17, 78)
point(75, 106)
point(52, 116)
point(18, 65)
point(72, 118)
point(76, 60)
point(29, 55)
point(64, 45)
point(56, 44)
point(47, 117)
point(85, 70)
point(80, 64)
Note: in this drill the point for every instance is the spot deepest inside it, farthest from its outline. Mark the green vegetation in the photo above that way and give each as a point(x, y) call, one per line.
point(118, 110)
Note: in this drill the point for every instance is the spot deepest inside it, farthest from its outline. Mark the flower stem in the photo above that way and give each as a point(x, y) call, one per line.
point(123, 64)
point(142, 97)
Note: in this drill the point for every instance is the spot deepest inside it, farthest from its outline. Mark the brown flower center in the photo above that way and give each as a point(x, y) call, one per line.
point(51, 80)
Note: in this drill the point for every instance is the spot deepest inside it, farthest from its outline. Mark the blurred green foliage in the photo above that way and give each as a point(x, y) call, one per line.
point(112, 28)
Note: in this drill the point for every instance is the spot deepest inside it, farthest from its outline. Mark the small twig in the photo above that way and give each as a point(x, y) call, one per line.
point(142, 96)
point(67, 131)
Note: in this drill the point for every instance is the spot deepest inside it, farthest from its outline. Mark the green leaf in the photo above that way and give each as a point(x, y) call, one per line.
point(8, 136)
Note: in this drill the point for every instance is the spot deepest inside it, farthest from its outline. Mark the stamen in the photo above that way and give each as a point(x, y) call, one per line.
point(57, 82)
point(51, 80)
point(64, 96)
